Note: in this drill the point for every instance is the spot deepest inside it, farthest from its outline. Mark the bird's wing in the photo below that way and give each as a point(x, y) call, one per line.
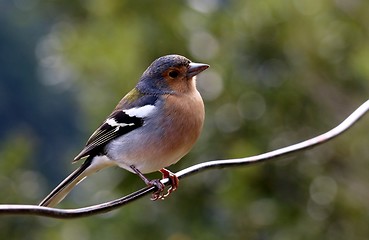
point(120, 122)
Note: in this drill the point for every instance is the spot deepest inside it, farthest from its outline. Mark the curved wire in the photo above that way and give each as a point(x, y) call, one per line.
point(15, 209)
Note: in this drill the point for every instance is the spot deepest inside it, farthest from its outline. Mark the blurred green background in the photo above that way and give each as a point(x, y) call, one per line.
point(281, 72)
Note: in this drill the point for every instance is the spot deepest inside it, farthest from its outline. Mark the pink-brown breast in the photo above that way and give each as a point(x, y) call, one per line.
point(186, 118)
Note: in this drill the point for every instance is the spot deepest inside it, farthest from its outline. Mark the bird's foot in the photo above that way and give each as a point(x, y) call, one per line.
point(174, 181)
point(159, 193)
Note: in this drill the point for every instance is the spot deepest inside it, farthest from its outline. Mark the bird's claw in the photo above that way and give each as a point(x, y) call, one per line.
point(174, 181)
point(159, 194)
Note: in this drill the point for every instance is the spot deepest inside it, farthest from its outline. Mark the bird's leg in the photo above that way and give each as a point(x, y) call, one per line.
point(174, 181)
point(156, 182)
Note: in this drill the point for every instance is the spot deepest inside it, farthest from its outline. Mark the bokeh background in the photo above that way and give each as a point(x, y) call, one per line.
point(281, 72)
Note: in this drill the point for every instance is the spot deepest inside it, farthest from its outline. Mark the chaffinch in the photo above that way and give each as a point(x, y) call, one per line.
point(152, 127)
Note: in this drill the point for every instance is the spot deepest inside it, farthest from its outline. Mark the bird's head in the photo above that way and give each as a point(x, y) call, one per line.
point(170, 74)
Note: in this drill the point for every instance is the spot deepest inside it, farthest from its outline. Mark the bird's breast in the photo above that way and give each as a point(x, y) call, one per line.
point(184, 116)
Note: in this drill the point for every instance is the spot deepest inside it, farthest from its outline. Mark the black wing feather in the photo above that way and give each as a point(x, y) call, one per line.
point(106, 132)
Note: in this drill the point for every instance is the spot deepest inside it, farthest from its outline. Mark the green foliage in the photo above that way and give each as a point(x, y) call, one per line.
point(281, 72)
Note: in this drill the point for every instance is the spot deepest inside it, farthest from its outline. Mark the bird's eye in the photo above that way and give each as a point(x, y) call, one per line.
point(173, 74)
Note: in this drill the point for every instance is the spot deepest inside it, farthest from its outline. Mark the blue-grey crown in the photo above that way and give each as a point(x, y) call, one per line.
point(152, 80)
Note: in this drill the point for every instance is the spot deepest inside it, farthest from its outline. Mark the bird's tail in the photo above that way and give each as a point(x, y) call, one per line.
point(61, 191)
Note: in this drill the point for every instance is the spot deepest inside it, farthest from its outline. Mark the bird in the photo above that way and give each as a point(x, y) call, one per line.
point(152, 127)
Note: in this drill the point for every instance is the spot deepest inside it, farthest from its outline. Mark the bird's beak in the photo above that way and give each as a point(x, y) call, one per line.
point(196, 68)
